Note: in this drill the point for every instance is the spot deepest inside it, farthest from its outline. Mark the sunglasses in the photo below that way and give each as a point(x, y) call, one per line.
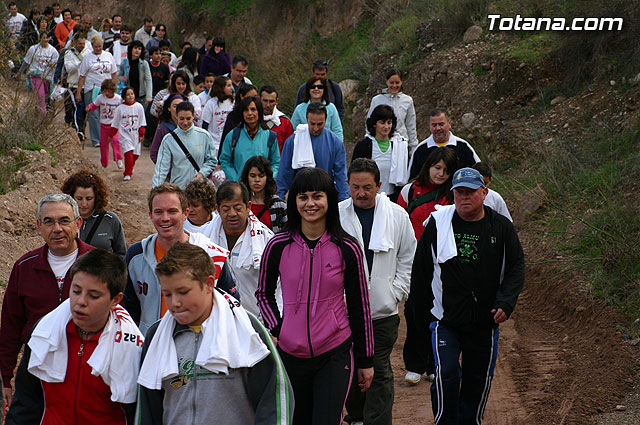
point(317, 86)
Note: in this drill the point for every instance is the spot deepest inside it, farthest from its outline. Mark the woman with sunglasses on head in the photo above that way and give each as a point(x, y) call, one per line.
point(316, 91)
point(319, 267)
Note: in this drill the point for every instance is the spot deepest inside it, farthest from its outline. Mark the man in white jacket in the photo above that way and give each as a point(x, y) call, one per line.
point(238, 230)
point(384, 232)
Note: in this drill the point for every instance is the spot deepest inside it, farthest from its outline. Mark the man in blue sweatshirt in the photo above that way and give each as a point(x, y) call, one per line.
point(327, 148)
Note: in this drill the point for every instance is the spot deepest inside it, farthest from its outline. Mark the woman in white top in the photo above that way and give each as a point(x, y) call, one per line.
point(96, 67)
point(217, 108)
point(388, 148)
point(41, 59)
point(402, 105)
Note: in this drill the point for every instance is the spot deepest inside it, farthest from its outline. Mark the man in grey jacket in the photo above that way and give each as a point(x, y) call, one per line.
point(384, 232)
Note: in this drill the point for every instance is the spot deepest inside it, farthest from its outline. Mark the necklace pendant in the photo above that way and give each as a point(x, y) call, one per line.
point(81, 351)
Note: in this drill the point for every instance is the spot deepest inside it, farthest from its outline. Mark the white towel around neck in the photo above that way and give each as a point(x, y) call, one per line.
point(380, 229)
point(446, 242)
point(256, 236)
point(228, 341)
point(302, 148)
point(115, 359)
point(274, 117)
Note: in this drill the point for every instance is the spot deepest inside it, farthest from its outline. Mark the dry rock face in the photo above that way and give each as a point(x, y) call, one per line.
point(473, 33)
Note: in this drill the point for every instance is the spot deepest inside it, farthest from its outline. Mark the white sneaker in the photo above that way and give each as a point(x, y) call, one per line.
point(431, 377)
point(126, 178)
point(412, 378)
point(120, 164)
point(357, 423)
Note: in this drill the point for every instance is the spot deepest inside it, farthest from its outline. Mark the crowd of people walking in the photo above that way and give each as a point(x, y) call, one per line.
point(272, 287)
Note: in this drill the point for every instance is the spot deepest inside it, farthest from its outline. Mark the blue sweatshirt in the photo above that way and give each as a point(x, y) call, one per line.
point(329, 154)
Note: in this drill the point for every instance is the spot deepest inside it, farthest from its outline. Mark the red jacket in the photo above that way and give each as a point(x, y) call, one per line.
point(283, 131)
point(31, 293)
point(81, 399)
point(421, 213)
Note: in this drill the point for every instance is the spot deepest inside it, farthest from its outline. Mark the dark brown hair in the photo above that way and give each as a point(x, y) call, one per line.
point(84, 178)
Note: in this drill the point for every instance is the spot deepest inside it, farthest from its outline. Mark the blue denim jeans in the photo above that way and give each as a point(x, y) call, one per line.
point(460, 391)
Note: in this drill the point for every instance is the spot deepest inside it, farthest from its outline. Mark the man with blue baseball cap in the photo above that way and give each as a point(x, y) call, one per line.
point(467, 273)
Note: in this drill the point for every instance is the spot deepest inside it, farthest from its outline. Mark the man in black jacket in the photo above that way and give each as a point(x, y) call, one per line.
point(467, 274)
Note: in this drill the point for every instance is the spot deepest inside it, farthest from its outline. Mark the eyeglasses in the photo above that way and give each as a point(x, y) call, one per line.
point(317, 86)
point(63, 222)
point(321, 63)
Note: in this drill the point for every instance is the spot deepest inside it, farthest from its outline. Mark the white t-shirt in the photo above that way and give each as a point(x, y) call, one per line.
point(119, 52)
point(215, 113)
point(107, 107)
point(61, 265)
point(14, 24)
point(96, 69)
point(383, 159)
point(204, 98)
point(494, 201)
point(40, 60)
point(128, 119)
point(206, 229)
point(58, 19)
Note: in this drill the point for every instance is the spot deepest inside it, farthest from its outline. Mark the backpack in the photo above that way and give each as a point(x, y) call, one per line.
point(236, 136)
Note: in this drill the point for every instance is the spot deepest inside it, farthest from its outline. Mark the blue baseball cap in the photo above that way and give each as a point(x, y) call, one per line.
point(467, 177)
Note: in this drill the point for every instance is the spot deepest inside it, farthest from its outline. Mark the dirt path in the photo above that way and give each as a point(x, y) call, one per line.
point(412, 403)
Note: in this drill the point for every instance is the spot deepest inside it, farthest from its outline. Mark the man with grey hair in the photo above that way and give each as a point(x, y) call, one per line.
point(39, 281)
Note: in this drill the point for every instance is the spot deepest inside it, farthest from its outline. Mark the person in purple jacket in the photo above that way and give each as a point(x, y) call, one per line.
point(216, 60)
point(319, 266)
point(168, 123)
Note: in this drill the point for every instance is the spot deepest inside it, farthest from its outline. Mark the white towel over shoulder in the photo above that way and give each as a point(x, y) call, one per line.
point(115, 359)
point(302, 156)
point(446, 242)
point(228, 341)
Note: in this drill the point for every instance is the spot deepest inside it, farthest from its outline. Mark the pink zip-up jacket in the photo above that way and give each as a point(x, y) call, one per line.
point(314, 284)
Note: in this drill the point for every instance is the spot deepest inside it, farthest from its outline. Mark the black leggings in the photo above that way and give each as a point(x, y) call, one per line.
point(417, 353)
point(320, 384)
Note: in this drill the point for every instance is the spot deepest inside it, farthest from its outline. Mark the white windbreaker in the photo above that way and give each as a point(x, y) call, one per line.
point(390, 275)
point(402, 105)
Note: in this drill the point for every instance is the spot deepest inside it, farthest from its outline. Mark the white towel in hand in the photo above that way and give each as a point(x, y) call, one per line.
point(228, 341)
point(399, 171)
point(302, 149)
point(115, 359)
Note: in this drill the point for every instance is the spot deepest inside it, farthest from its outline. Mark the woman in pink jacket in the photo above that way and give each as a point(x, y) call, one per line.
point(318, 265)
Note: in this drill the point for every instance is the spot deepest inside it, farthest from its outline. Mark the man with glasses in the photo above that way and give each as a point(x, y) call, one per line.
point(320, 70)
point(311, 145)
point(39, 281)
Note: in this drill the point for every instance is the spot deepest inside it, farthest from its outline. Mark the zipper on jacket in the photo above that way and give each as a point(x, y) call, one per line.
point(80, 354)
point(195, 367)
point(309, 303)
